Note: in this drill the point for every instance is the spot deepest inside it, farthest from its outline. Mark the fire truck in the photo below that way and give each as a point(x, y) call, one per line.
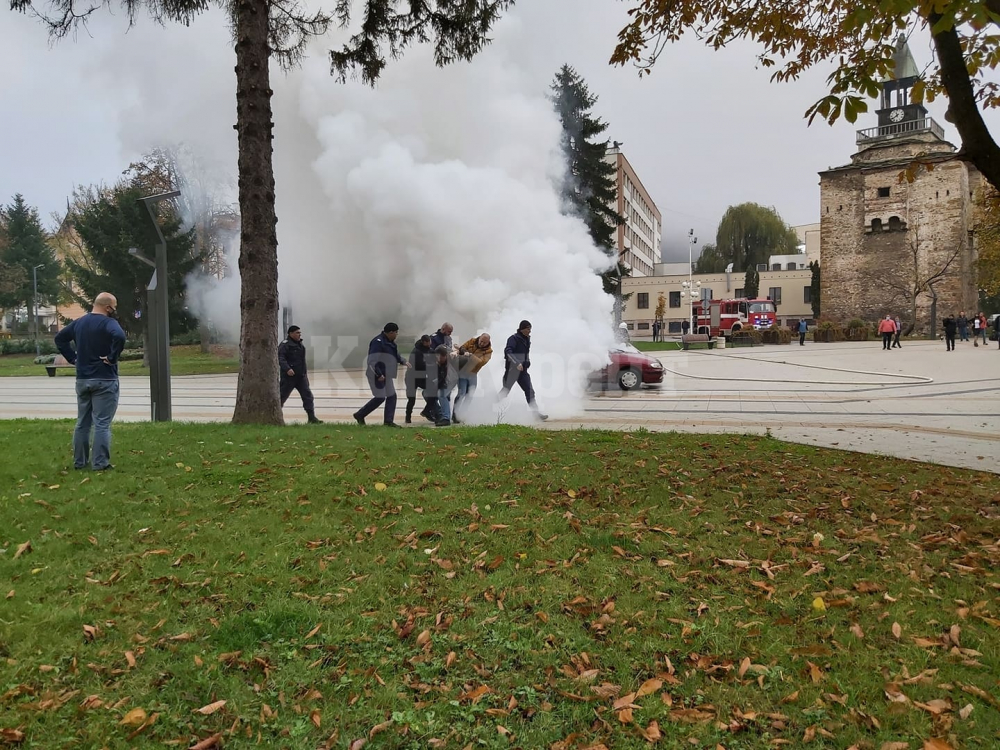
point(723, 317)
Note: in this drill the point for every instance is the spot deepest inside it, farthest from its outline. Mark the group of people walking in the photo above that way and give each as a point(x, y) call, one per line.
point(961, 326)
point(436, 367)
point(890, 329)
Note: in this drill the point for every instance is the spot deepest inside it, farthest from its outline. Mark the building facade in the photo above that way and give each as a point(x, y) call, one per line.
point(639, 237)
point(897, 222)
point(790, 291)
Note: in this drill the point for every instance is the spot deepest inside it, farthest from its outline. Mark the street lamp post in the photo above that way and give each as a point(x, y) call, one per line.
point(34, 277)
point(692, 241)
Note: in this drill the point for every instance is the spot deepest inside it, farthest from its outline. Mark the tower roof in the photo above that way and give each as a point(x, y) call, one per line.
point(906, 66)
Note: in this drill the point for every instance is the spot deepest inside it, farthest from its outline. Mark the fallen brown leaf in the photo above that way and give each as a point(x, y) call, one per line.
point(210, 709)
point(936, 743)
point(316, 718)
point(358, 744)
point(134, 718)
point(11, 736)
point(649, 687)
point(208, 742)
point(897, 630)
point(895, 746)
point(652, 732)
point(23, 549)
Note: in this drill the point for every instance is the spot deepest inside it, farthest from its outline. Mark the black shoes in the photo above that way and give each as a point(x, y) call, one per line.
point(392, 424)
point(359, 420)
point(314, 420)
point(104, 468)
point(408, 420)
point(443, 423)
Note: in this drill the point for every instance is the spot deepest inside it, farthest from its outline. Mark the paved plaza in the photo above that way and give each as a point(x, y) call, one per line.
point(917, 402)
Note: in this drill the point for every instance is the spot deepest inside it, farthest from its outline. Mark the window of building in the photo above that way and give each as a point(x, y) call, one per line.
point(876, 225)
point(644, 326)
point(807, 295)
point(775, 266)
point(790, 267)
point(674, 326)
point(895, 224)
point(762, 266)
point(675, 299)
point(628, 326)
point(739, 294)
point(775, 294)
point(706, 294)
point(642, 300)
point(883, 192)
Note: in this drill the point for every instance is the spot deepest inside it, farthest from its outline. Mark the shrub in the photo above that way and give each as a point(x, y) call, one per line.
point(855, 324)
point(27, 346)
point(776, 335)
point(746, 337)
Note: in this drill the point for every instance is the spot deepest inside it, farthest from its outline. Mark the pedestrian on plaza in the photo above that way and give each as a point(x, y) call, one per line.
point(887, 328)
point(982, 326)
point(685, 327)
point(292, 363)
point(656, 331)
point(899, 330)
point(94, 343)
point(950, 328)
point(803, 327)
point(416, 376)
point(383, 356)
point(477, 351)
point(976, 322)
point(442, 377)
point(517, 361)
point(963, 326)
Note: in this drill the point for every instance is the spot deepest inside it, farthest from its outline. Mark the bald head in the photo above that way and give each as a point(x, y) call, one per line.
point(447, 329)
point(105, 303)
point(484, 341)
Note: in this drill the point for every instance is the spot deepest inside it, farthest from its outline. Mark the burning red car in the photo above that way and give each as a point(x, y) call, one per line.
point(630, 368)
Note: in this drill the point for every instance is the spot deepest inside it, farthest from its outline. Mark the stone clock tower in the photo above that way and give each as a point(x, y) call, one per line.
point(891, 245)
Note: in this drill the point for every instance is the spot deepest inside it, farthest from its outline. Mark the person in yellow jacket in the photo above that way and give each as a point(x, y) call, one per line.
point(473, 356)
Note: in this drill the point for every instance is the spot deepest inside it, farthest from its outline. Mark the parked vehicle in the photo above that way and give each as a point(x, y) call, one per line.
point(630, 368)
point(724, 317)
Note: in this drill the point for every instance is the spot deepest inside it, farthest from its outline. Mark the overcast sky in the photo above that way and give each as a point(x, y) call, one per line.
point(705, 131)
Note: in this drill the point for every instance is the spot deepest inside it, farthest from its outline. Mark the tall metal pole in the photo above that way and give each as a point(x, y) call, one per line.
point(158, 324)
point(34, 276)
point(691, 243)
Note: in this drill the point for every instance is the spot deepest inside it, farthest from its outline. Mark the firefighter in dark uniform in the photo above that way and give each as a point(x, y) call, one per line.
point(292, 363)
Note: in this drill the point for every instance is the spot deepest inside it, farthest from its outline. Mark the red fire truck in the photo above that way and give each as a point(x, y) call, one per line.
point(722, 317)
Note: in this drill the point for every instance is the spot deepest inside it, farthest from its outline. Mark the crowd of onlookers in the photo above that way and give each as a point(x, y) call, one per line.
point(961, 326)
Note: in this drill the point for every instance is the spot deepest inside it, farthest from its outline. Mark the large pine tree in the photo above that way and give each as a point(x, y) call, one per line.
point(24, 244)
point(590, 190)
point(108, 223)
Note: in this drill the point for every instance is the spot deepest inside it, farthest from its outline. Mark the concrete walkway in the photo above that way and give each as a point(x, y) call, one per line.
point(818, 394)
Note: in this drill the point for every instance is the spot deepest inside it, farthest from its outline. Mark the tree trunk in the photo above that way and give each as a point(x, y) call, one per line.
point(257, 400)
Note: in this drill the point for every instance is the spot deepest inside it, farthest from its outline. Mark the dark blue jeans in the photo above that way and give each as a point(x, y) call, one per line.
point(96, 404)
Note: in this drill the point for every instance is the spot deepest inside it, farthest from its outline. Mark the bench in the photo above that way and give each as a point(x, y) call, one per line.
point(696, 338)
point(58, 363)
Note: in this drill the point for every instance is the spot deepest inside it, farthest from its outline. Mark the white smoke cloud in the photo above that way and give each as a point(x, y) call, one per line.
point(433, 198)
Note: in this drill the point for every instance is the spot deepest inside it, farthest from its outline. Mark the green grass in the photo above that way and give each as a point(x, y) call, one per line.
point(659, 346)
point(491, 587)
point(184, 360)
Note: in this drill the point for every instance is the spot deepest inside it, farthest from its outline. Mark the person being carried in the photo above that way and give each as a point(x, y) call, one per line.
point(517, 361)
point(94, 343)
point(442, 377)
point(416, 376)
point(478, 351)
point(383, 356)
point(292, 363)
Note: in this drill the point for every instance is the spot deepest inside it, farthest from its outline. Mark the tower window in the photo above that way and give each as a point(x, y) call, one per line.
point(895, 224)
point(876, 225)
point(883, 192)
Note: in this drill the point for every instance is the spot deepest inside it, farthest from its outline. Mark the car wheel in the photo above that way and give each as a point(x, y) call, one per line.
point(629, 379)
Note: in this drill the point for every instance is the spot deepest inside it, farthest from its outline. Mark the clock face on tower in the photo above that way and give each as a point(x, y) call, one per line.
point(896, 115)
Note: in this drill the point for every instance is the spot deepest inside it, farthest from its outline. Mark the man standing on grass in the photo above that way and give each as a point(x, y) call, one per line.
point(292, 363)
point(93, 343)
point(383, 356)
